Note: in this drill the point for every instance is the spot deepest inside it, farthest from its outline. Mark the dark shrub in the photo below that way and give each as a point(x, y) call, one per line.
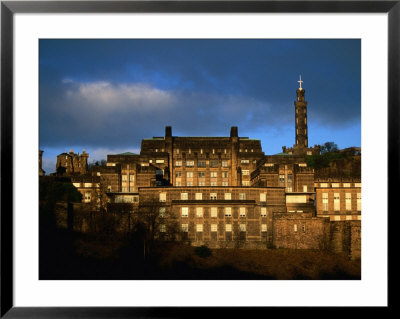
point(202, 251)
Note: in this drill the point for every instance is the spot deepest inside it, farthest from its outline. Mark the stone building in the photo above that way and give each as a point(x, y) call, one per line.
point(69, 164)
point(225, 192)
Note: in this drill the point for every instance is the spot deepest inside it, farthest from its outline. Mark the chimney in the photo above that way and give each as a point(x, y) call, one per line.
point(168, 131)
point(234, 131)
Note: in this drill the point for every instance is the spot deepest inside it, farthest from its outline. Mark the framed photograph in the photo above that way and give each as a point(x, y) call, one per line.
point(196, 154)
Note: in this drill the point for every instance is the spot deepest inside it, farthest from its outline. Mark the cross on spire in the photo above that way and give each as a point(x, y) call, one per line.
point(300, 81)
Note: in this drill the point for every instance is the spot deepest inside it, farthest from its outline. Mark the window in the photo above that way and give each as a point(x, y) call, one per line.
point(335, 184)
point(163, 197)
point(213, 196)
point(184, 196)
point(185, 211)
point(109, 188)
point(189, 163)
point(178, 163)
point(199, 211)
point(98, 173)
point(295, 228)
point(281, 178)
point(178, 183)
point(325, 202)
point(346, 184)
point(177, 151)
point(263, 211)
point(263, 197)
point(214, 227)
point(213, 211)
point(228, 196)
point(303, 228)
point(357, 184)
point(88, 184)
point(199, 196)
point(124, 189)
point(245, 183)
point(201, 164)
point(189, 174)
point(323, 185)
point(213, 174)
point(159, 161)
point(88, 197)
point(202, 183)
point(189, 183)
point(242, 211)
point(359, 201)
point(163, 228)
point(224, 174)
point(131, 189)
point(242, 196)
point(269, 164)
point(245, 172)
point(185, 228)
point(201, 174)
point(213, 184)
point(242, 227)
point(124, 178)
point(228, 212)
point(336, 201)
point(263, 227)
point(302, 164)
point(244, 161)
point(348, 201)
point(162, 211)
point(178, 174)
point(213, 163)
point(132, 178)
point(224, 163)
point(305, 188)
point(199, 228)
point(225, 184)
point(228, 227)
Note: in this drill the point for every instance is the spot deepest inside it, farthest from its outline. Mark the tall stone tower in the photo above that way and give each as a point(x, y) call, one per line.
point(301, 141)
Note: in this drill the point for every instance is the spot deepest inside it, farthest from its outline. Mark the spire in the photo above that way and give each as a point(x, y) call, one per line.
point(300, 81)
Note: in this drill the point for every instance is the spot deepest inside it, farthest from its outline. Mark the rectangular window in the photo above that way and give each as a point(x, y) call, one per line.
point(242, 196)
point(323, 184)
point(263, 227)
point(303, 228)
point(213, 174)
point(159, 161)
point(124, 178)
point(163, 228)
point(199, 196)
point(189, 183)
point(132, 178)
point(348, 201)
point(263, 197)
point(242, 211)
point(242, 227)
point(189, 174)
point(184, 196)
point(245, 172)
point(213, 163)
point(213, 184)
point(178, 183)
point(225, 184)
point(357, 184)
point(185, 211)
point(88, 197)
point(163, 197)
point(201, 174)
point(213, 196)
point(305, 188)
point(228, 212)
point(325, 202)
point(178, 174)
point(199, 228)
point(201, 164)
point(263, 211)
point(213, 211)
point(185, 228)
point(189, 163)
point(359, 201)
point(88, 184)
point(162, 211)
point(202, 183)
point(214, 227)
point(228, 227)
point(244, 161)
point(199, 211)
point(336, 201)
point(346, 184)
point(281, 178)
point(224, 163)
point(295, 228)
point(224, 174)
point(124, 189)
point(245, 183)
point(228, 196)
point(335, 185)
point(178, 163)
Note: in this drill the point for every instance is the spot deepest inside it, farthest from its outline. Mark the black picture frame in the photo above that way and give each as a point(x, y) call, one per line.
point(9, 8)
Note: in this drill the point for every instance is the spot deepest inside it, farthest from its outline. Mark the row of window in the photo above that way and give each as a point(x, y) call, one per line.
point(213, 227)
point(336, 201)
point(212, 163)
point(177, 151)
point(334, 185)
point(213, 196)
point(214, 211)
point(178, 174)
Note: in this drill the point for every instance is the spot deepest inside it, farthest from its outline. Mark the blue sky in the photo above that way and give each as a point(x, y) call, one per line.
point(105, 96)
